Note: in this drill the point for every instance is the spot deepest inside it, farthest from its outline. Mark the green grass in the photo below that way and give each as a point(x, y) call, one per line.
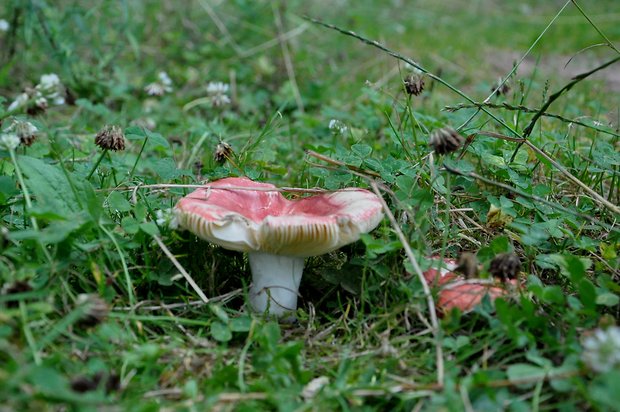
point(363, 323)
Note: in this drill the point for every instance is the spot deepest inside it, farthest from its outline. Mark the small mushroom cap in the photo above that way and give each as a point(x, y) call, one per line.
point(263, 220)
point(457, 292)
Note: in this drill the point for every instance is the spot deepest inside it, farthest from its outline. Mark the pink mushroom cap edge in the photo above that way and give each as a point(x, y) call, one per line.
point(265, 221)
point(465, 296)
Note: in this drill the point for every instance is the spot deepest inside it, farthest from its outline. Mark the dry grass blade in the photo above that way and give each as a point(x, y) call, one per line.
point(186, 275)
point(427, 291)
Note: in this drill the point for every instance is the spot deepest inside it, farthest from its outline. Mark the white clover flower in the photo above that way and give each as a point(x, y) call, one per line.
point(601, 350)
point(9, 141)
point(313, 387)
point(165, 80)
point(337, 126)
point(19, 101)
point(160, 87)
point(167, 218)
point(217, 88)
point(4, 25)
point(217, 92)
point(49, 81)
point(220, 100)
point(154, 89)
point(50, 88)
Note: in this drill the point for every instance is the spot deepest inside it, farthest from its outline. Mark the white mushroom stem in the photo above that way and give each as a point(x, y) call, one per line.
point(275, 282)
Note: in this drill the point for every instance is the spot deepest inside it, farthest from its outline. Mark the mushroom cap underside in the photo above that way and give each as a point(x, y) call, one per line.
point(261, 219)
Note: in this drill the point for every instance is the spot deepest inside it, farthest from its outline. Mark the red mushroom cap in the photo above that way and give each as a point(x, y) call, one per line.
point(457, 292)
point(264, 220)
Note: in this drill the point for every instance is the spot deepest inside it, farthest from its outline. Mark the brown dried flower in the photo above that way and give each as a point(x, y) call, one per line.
point(502, 87)
point(445, 140)
point(414, 84)
point(222, 152)
point(26, 131)
point(505, 266)
point(110, 138)
point(95, 310)
point(467, 265)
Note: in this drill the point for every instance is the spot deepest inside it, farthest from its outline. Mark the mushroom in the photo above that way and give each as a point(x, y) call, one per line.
point(455, 291)
point(278, 234)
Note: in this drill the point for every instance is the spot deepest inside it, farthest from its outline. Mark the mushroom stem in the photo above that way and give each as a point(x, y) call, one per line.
point(275, 282)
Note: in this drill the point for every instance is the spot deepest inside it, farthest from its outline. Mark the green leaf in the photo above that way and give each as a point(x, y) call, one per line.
point(587, 293)
point(7, 188)
point(117, 201)
point(154, 139)
point(219, 312)
point(362, 150)
point(98, 109)
point(150, 228)
point(56, 232)
point(167, 169)
point(49, 185)
point(607, 299)
point(519, 372)
point(130, 225)
point(220, 332)
point(553, 294)
point(242, 324)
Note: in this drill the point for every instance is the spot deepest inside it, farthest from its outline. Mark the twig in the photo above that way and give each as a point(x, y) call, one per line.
point(222, 298)
point(206, 186)
point(415, 64)
point(427, 291)
point(526, 109)
point(558, 166)
point(577, 79)
point(578, 182)
point(338, 163)
point(186, 275)
point(533, 197)
point(583, 13)
point(530, 127)
point(274, 42)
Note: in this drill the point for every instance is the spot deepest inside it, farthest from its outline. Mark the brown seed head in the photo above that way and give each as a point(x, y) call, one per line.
point(110, 138)
point(502, 88)
point(467, 265)
point(445, 140)
point(505, 266)
point(39, 106)
point(414, 84)
point(222, 152)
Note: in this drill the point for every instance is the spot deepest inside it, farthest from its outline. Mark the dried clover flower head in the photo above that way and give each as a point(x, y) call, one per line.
point(505, 266)
point(601, 349)
point(467, 265)
point(26, 131)
point(222, 152)
point(501, 87)
point(110, 138)
point(95, 309)
point(414, 84)
point(445, 140)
